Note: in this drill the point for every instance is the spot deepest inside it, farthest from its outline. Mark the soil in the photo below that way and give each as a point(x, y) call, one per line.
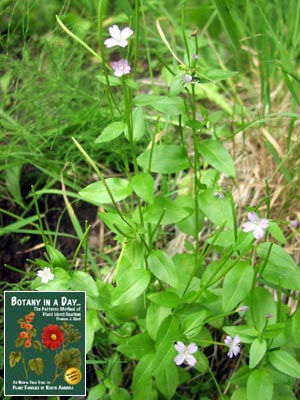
point(16, 249)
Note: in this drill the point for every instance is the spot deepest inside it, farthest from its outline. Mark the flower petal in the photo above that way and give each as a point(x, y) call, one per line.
point(228, 340)
point(180, 347)
point(179, 359)
point(126, 33)
point(111, 42)
point(190, 360)
point(258, 232)
point(236, 340)
point(263, 223)
point(248, 226)
point(252, 216)
point(192, 348)
point(114, 31)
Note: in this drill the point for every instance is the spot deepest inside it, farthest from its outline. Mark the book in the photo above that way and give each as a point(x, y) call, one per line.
point(44, 343)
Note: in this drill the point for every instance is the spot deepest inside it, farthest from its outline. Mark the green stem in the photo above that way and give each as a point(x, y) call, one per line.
point(101, 177)
point(127, 93)
point(195, 172)
point(45, 241)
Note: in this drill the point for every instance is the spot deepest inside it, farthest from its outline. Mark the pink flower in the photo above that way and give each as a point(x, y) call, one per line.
point(187, 78)
point(256, 224)
point(121, 67)
point(118, 37)
point(185, 354)
point(233, 344)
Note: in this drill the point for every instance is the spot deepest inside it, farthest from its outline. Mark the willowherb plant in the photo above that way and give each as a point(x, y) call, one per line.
point(171, 316)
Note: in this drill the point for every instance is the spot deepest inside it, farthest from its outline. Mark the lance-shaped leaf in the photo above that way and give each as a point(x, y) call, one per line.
point(163, 268)
point(215, 154)
point(97, 193)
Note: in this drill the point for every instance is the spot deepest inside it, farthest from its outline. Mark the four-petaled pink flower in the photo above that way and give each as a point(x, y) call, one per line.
point(185, 354)
point(233, 344)
point(118, 37)
point(121, 67)
point(256, 224)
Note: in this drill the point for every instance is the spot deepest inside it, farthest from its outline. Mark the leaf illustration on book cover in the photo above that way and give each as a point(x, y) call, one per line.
point(14, 358)
point(68, 358)
point(72, 336)
point(36, 365)
point(37, 345)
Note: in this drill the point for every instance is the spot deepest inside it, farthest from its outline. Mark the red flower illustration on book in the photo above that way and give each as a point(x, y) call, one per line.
point(52, 336)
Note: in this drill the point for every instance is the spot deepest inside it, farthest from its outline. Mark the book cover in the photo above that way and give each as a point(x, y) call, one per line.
point(44, 343)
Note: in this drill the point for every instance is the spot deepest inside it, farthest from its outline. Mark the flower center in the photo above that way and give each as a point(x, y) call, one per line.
point(53, 336)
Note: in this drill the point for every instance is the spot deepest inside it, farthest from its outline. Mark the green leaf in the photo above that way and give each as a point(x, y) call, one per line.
point(217, 210)
point(36, 365)
point(165, 299)
point(177, 86)
point(238, 394)
point(142, 378)
point(283, 392)
point(257, 351)
point(117, 393)
point(138, 124)
point(295, 327)
point(143, 186)
point(111, 132)
point(112, 80)
point(276, 232)
point(167, 105)
point(83, 281)
point(280, 268)
point(92, 325)
point(259, 385)
point(246, 332)
point(285, 363)
point(96, 193)
point(57, 259)
point(215, 154)
point(165, 211)
point(217, 75)
point(162, 267)
point(278, 256)
point(136, 346)
point(167, 381)
point(132, 285)
point(237, 285)
point(118, 224)
point(146, 99)
point(154, 317)
point(192, 323)
point(165, 159)
point(168, 333)
point(12, 181)
point(261, 301)
point(97, 392)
